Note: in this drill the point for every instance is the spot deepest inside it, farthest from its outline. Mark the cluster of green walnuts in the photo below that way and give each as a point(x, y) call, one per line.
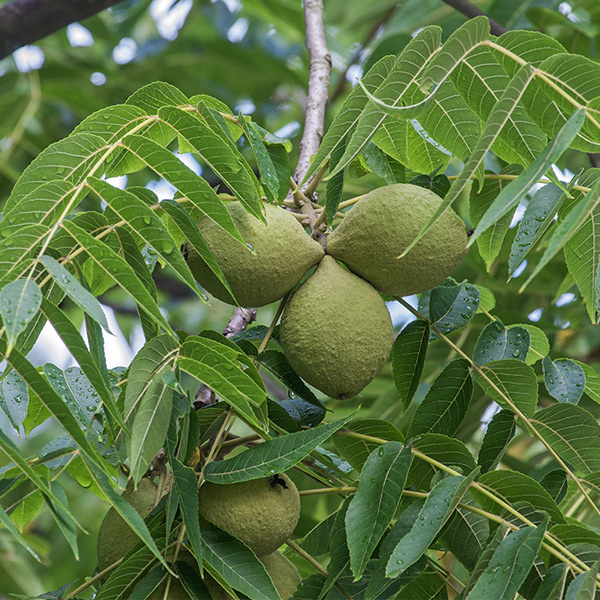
point(336, 331)
point(262, 513)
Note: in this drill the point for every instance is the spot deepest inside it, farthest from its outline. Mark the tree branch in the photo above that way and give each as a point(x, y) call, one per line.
point(25, 21)
point(469, 10)
point(318, 84)
point(242, 317)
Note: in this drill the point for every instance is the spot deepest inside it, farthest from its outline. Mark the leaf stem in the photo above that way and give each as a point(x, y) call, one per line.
point(333, 490)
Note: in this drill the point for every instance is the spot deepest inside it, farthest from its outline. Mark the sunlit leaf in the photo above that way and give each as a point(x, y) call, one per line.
point(271, 457)
point(564, 379)
point(19, 303)
point(75, 290)
point(573, 433)
point(438, 508)
point(511, 383)
point(497, 342)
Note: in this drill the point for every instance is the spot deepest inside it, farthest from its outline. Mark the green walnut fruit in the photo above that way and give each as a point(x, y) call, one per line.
point(381, 226)
point(282, 571)
point(283, 254)
point(336, 331)
point(115, 537)
point(262, 513)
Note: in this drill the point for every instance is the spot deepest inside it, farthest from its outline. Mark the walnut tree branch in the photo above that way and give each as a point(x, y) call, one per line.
point(318, 85)
point(316, 102)
point(242, 317)
point(469, 10)
point(25, 21)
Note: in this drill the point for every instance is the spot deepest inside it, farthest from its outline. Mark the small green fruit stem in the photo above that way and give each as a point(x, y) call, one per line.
point(92, 580)
point(333, 490)
point(273, 324)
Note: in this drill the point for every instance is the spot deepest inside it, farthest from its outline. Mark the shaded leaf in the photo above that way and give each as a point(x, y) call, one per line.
point(451, 306)
point(512, 487)
point(217, 366)
point(555, 482)
point(374, 505)
point(408, 357)
point(466, 534)
point(356, 450)
point(338, 546)
point(186, 487)
point(276, 363)
point(554, 583)
point(509, 565)
point(490, 242)
point(233, 561)
point(446, 450)
point(149, 401)
point(446, 402)
point(498, 434)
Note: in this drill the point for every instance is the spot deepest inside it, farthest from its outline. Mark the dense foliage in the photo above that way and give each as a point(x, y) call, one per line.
point(469, 467)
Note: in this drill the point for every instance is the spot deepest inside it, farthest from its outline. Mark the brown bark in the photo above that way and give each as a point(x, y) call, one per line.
point(23, 22)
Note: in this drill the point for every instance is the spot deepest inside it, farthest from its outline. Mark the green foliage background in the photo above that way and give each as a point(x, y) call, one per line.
point(535, 353)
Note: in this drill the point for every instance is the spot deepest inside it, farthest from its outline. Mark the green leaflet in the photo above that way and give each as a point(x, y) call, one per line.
point(408, 357)
point(446, 402)
point(511, 383)
point(438, 508)
point(19, 303)
point(509, 565)
point(272, 456)
point(374, 505)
